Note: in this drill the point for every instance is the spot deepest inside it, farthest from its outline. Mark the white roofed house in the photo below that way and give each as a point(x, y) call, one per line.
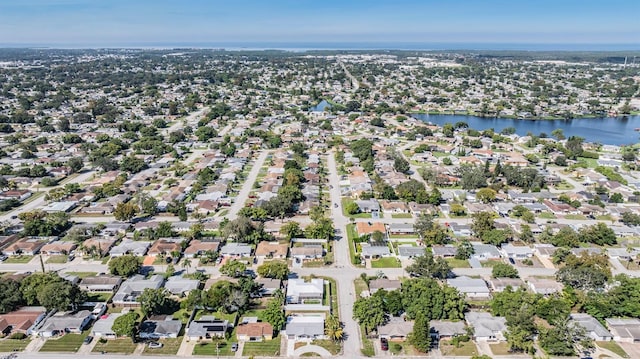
point(370, 251)
point(397, 329)
point(181, 286)
point(133, 287)
point(471, 287)
point(61, 323)
point(594, 329)
point(305, 327)
point(486, 327)
point(235, 249)
point(299, 291)
point(516, 252)
point(444, 329)
point(625, 330)
point(160, 328)
point(128, 246)
point(103, 327)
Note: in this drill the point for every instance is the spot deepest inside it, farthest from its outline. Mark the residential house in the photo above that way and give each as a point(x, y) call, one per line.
point(409, 251)
point(101, 283)
point(544, 250)
point(103, 328)
point(269, 285)
point(254, 331)
point(273, 250)
point(594, 329)
point(367, 228)
point(165, 246)
point(483, 251)
point(133, 287)
point(626, 330)
point(444, 251)
point(199, 247)
point(401, 229)
point(160, 328)
point(418, 209)
point(500, 284)
point(396, 329)
point(384, 284)
point(236, 250)
point(307, 251)
point(305, 327)
point(446, 329)
point(471, 287)
point(98, 245)
point(486, 327)
point(460, 230)
point(207, 327)
point(180, 286)
point(61, 323)
point(129, 246)
point(544, 286)
point(299, 291)
point(371, 251)
point(368, 206)
point(394, 207)
point(22, 320)
point(516, 252)
point(58, 248)
point(29, 246)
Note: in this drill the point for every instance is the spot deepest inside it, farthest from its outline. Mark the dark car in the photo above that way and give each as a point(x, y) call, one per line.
point(512, 261)
point(87, 340)
point(384, 344)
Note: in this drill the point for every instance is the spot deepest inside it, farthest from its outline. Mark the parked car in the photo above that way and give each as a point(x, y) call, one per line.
point(87, 340)
point(155, 345)
point(234, 347)
point(384, 344)
point(512, 261)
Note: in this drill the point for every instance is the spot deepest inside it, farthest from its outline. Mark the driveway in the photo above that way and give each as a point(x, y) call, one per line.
point(242, 196)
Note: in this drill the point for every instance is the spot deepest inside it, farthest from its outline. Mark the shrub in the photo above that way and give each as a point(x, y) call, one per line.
point(18, 336)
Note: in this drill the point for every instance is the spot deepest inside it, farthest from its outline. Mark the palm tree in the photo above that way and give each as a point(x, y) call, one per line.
point(333, 328)
point(186, 264)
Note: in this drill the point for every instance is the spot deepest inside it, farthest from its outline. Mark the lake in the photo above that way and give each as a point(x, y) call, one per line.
point(322, 106)
point(607, 130)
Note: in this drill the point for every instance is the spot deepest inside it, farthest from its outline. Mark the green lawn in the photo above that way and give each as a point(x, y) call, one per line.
point(58, 259)
point(265, 348)
point(9, 345)
point(458, 263)
point(591, 162)
point(360, 286)
point(401, 215)
point(404, 236)
point(606, 217)
point(209, 349)
point(546, 215)
point(122, 346)
point(82, 274)
point(344, 201)
point(385, 262)
point(332, 346)
point(18, 259)
point(258, 313)
point(66, 343)
point(500, 349)
point(169, 347)
point(614, 347)
point(98, 296)
point(466, 349)
point(351, 235)
point(575, 216)
point(490, 263)
point(367, 345)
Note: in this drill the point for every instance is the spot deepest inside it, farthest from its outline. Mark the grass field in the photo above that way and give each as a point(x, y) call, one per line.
point(401, 215)
point(385, 262)
point(360, 286)
point(351, 234)
point(575, 216)
point(82, 274)
point(169, 347)
point(500, 349)
point(490, 263)
point(58, 259)
point(209, 349)
point(458, 263)
point(333, 347)
point(121, 346)
point(466, 349)
point(344, 201)
point(98, 297)
point(265, 348)
point(9, 345)
point(546, 215)
point(367, 345)
point(18, 259)
point(66, 343)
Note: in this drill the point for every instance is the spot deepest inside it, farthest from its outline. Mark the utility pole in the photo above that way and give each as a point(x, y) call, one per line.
point(41, 262)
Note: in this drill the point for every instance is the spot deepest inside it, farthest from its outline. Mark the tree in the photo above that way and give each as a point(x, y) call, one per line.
point(564, 338)
point(427, 266)
point(482, 223)
point(503, 270)
point(291, 230)
point(274, 269)
point(126, 325)
point(587, 272)
point(401, 165)
point(321, 229)
point(420, 337)
point(351, 207)
point(472, 177)
point(10, 298)
point(274, 314)
point(521, 330)
point(315, 213)
point(558, 134)
point(75, 163)
point(429, 231)
point(599, 234)
point(486, 195)
point(465, 250)
point(125, 266)
point(435, 301)
point(574, 147)
point(369, 312)
point(233, 268)
point(125, 211)
point(61, 295)
point(526, 235)
point(333, 328)
point(156, 301)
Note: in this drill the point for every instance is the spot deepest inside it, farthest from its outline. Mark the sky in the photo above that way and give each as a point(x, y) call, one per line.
point(135, 22)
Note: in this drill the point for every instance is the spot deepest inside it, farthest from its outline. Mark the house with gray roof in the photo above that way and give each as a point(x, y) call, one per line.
point(207, 327)
point(401, 228)
point(103, 327)
point(483, 251)
point(235, 249)
point(444, 329)
point(486, 327)
point(133, 287)
point(384, 284)
point(305, 327)
point(516, 252)
point(372, 251)
point(396, 329)
point(368, 205)
point(500, 284)
point(160, 328)
point(444, 251)
point(61, 323)
point(473, 288)
point(181, 286)
point(594, 329)
point(626, 330)
point(101, 283)
point(129, 246)
point(409, 251)
point(544, 286)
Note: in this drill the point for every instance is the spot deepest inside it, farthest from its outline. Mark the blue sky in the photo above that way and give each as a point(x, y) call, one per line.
point(123, 22)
